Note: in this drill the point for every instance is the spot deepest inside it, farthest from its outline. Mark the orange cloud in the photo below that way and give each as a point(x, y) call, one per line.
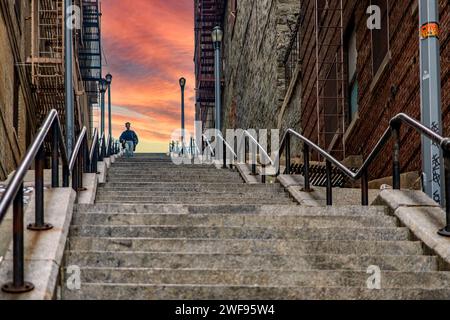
point(149, 45)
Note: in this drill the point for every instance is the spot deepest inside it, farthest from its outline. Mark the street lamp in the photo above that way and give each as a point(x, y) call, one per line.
point(68, 80)
point(108, 79)
point(102, 86)
point(182, 86)
point(217, 37)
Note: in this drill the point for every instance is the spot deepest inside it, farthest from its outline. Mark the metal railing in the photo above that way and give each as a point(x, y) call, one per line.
point(225, 145)
point(102, 147)
point(94, 153)
point(75, 166)
point(362, 173)
point(392, 132)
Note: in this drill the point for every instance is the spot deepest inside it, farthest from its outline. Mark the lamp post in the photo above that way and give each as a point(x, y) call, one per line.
point(69, 98)
point(217, 36)
point(103, 86)
point(108, 79)
point(182, 86)
point(431, 103)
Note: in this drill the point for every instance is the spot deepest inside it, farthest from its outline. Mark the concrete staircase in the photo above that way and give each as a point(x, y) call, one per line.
point(160, 231)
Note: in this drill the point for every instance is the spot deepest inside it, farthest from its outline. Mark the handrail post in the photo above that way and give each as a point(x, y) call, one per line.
point(18, 285)
point(55, 156)
point(329, 184)
point(86, 161)
point(75, 176)
point(446, 231)
point(80, 170)
point(254, 159)
point(224, 151)
point(288, 153)
point(66, 176)
point(396, 155)
point(365, 188)
point(95, 159)
point(306, 168)
point(246, 150)
point(263, 173)
point(39, 224)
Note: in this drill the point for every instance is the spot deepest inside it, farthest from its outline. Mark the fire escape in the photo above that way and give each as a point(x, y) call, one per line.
point(330, 75)
point(90, 52)
point(47, 57)
point(47, 60)
point(208, 14)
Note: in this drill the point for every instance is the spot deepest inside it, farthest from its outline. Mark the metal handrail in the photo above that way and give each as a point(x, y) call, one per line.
point(14, 191)
point(227, 145)
point(81, 139)
point(102, 147)
point(94, 153)
point(362, 173)
point(15, 185)
point(94, 144)
point(211, 149)
point(259, 146)
point(196, 146)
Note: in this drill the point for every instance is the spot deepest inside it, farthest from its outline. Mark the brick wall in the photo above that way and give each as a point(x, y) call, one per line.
point(15, 128)
point(396, 90)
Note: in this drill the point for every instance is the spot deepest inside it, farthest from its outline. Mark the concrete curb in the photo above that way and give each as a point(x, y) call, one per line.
point(43, 250)
point(245, 172)
point(293, 184)
point(90, 182)
point(102, 169)
point(421, 215)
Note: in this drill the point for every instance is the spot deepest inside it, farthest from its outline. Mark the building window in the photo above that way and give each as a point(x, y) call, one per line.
point(352, 61)
point(380, 37)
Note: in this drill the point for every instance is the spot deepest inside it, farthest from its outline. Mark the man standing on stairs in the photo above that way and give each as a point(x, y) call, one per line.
point(130, 140)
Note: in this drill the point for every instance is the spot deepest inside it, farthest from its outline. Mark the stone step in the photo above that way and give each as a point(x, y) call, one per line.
point(194, 232)
point(211, 187)
point(171, 185)
point(239, 209)
point(144, 177)
point(220, 292)
point(244, 246)
point(235, 220)
point(170, 170)
point(271, 193)
point(315, 278)
point(177, 174)
point(174, 260)
point(202, 199)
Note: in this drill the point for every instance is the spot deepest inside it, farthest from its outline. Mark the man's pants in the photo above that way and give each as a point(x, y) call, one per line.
point(129, 149)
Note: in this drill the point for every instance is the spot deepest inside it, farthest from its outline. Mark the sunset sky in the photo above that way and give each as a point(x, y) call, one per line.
point(148, 46)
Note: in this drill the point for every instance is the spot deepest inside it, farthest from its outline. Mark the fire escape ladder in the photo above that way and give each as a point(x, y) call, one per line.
point(330, 76)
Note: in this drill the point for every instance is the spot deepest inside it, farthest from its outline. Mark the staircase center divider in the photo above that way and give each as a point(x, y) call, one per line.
point(83, 160)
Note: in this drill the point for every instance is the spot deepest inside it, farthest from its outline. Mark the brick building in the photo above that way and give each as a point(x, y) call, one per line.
point(315, 66)
point(17, 105)
point(32, 69)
